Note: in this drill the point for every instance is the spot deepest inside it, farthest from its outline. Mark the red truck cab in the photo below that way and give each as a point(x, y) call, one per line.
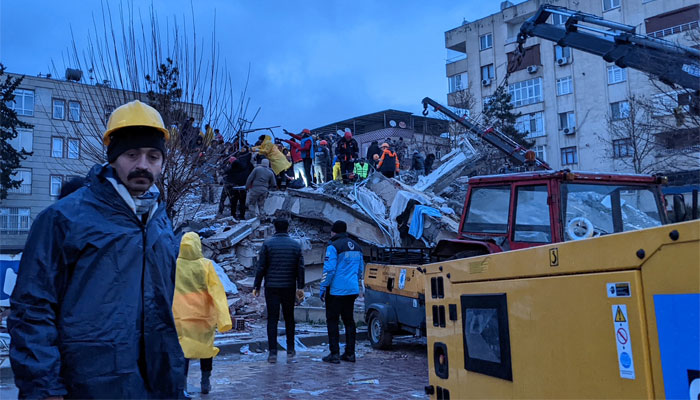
point(516, 211)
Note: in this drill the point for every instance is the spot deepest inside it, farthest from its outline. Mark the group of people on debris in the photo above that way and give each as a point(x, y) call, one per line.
point(110, 303)
point(247, 173)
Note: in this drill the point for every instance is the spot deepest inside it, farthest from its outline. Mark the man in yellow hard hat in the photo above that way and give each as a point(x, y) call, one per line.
point(91, 313)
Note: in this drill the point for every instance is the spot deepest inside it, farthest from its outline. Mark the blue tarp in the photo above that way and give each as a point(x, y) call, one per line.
point(416, 229)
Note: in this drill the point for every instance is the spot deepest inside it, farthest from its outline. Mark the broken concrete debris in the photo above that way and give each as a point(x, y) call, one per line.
point(379, 211)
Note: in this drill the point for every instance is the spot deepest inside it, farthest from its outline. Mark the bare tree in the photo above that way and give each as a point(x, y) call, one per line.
point(644, 138)
point(129, 56)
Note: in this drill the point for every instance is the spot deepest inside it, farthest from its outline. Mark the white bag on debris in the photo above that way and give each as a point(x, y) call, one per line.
point(300, 237)
point(229, 287)
point(371, 201)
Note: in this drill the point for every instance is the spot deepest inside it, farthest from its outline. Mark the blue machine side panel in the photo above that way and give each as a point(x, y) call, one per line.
point(678, 324)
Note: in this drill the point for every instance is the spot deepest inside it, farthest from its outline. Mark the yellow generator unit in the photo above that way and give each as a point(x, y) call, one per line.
point(616, 316)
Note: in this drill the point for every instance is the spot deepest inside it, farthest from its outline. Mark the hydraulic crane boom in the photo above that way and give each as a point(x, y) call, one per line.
point(502, 142)
point(618, 43)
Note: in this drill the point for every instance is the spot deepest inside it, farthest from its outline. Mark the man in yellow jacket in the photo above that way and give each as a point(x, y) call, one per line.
point(199, 306)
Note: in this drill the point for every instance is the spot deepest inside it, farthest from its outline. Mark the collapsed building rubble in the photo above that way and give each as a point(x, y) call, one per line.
point(380, 212)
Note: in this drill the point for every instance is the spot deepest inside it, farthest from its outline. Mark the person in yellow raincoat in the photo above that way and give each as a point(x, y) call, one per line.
point(278, 161)
point(199, 306)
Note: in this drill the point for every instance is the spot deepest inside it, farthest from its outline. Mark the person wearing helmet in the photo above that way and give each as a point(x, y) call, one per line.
point(322, 162)
point(91, 312)
point(347, 151)
point(388, 163)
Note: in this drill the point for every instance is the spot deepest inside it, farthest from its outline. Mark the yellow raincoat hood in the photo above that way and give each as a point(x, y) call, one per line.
point(199, 304)
point(278, 162)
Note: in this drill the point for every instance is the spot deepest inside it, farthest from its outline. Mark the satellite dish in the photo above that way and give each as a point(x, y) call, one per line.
point(392, 123)
point(347, 130)
point(340, 132)
point(402, 125)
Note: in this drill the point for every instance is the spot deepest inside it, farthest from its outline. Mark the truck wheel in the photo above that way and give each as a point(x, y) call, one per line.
point(378, 332)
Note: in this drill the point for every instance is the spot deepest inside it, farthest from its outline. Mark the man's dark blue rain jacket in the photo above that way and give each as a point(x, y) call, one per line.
point(92, 308)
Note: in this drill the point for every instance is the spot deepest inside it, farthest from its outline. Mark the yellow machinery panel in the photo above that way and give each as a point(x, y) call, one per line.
point(569, 320)
point(388, 278)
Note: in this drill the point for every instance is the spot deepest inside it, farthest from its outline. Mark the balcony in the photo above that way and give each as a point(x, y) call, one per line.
point(674, 29)
point(456, 67)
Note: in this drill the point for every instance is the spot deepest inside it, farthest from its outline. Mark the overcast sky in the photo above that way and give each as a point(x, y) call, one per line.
point(313, 62)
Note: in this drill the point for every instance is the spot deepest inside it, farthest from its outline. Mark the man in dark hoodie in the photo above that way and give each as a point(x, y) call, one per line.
point(235, 180)
point(371, 151)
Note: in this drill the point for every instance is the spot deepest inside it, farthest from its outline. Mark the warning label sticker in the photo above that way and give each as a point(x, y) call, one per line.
point(625, 359)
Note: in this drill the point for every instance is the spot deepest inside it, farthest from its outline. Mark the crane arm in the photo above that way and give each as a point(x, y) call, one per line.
point(491, 135)
point(617, 43)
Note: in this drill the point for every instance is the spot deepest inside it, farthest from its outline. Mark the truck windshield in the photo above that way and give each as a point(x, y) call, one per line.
point(596, 209)
point(488, 210)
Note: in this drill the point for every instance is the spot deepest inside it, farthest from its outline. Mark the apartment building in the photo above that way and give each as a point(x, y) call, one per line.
point(566, 97)
point(68, 119)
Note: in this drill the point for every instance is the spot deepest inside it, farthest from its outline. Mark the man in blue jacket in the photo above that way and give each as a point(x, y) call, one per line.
point(340, 285)
point(91, 313)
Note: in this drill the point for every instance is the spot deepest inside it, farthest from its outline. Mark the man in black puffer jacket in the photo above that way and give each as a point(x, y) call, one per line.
point(282, 265)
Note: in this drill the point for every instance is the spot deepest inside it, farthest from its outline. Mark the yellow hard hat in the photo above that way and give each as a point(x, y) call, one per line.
point(134, 113)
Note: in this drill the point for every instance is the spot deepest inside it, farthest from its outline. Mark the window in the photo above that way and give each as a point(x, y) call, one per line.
point(531, 56)
point(607, 209)
point(558, 19)
point(671, 103)
point(486, 335)
point(622, 148)
point(24, 140)
point(458, 82)
point(565, 86)
point(56, 183)
point(532, 215)
point(562, 52)
point(24, 102)
point(57, 147)
point(526, 92)
point(24, 175)
point(74, 148)
point(14, 221)
point(59, 109)
point(532, 124)
point(485, 41)
point(568, 155)
point(567, 121)
point(541, 152)
point(488, 210)
point(616, 74)
point(108, 111)
point(487, 72)
point(610, 4)
point(619, 110)
point(74, 111)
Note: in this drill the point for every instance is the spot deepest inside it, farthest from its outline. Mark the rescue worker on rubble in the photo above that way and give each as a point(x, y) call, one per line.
point(418, 163)
point(341, 281)
point(429, 163)
point(258, 184)
point(199, 307)
point(347, 152)
point(297, 161)
point(388, 163)
point(361, 170)
point(281, 265)
point(322, 162)
point(372, 151)
point(91, 313)
point(306, 152)
point(235, 179)
point(267, 148)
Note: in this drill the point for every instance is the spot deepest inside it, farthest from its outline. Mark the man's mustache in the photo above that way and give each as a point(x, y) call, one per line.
point(140, 173)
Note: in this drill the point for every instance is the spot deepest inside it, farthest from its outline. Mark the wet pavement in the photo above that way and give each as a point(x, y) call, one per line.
point(400, 373)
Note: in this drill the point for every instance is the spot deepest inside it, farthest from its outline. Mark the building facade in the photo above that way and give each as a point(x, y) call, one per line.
point(424, 134)
point(68, 119)
point(569, 100)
